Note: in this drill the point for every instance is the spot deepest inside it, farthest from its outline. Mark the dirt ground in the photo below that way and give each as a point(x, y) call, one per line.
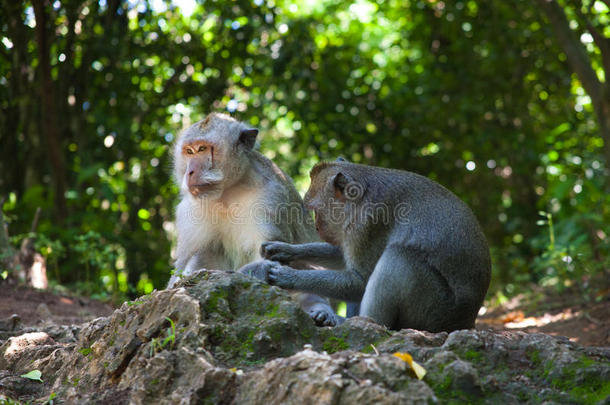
point(584, 321)
point(35, 306)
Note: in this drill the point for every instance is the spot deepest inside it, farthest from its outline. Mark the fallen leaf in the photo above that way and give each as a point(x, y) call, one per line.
point(236, 371)
point(514, 316)
point(33, 375)
point(419, 371)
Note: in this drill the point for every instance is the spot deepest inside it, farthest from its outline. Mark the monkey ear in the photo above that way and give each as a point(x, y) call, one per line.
point(248, 137)
point(340, 181)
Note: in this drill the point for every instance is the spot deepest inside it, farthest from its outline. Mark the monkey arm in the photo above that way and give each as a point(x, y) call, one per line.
point(317, 253)
point(317, 307)
point(344, 285)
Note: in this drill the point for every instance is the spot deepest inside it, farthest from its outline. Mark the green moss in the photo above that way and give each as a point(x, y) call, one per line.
point(445, 385)
point(369, 348)
point(273, 311)
point(377, 342)
point(473, 356)
point(234, 347)
point(534, 357)
point(306, 333)
point(444, 392)
point(541, 369)
point(447, 394)
point(211, 304)
point(582, 386)
point(275, 331)
point(334, 344)
point(85, 351)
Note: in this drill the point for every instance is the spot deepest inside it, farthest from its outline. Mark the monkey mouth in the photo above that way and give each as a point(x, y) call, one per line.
point(204, 189)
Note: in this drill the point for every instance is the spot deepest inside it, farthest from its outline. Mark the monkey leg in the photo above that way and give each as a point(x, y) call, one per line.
point(352, 309)
point(405, 291)
point(383, 291)
point(318, 309)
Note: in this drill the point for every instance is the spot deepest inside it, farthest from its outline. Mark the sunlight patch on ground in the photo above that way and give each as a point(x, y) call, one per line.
point(518, 320)
point(19, 343)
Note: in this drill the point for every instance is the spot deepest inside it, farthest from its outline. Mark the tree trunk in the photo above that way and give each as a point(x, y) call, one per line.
point(581, 64)
point(49, 126)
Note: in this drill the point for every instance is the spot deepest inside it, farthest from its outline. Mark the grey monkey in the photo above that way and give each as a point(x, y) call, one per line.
point(413, 253)
point(232, 199)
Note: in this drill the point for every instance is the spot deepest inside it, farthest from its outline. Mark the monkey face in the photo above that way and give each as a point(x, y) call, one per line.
point(210, 156)
point(328, 205)
point(202, 176)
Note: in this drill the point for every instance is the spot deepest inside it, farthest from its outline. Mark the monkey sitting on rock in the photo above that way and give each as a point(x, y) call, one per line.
point(232, 199)
point(414, 253)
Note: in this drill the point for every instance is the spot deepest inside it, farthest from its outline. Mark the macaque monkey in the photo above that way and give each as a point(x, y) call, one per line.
point(414, 253)
point(232, 199)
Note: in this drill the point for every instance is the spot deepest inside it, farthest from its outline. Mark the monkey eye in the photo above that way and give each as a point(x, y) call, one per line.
point(202, 148)
point(189, 151)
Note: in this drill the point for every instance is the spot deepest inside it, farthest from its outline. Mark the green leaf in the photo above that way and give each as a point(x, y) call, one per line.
point(85, 351)
point(33, 375)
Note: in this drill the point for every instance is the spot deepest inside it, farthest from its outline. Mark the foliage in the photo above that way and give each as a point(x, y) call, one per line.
point(33, 375)
point(474, 94)
point(158, 344)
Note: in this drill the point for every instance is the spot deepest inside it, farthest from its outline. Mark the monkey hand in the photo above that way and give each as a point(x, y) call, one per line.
point(278, 252)
point(281, 276)
point(323, 315)
point(258, 270)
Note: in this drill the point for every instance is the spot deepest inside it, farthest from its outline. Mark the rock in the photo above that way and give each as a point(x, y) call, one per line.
point(9, 327)
point(18, 387)
point(43, 312)
point(464, 377)
point(11, 323)
point(225, 338)
point(348, 377)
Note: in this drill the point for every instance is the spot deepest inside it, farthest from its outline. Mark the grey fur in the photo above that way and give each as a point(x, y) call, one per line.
point(252, 201)
point(423, 263)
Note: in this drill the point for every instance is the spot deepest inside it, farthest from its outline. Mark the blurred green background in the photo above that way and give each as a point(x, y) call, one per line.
point(505, 102)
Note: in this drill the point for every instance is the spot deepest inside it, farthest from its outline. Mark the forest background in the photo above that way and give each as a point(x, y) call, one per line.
point(506, 103)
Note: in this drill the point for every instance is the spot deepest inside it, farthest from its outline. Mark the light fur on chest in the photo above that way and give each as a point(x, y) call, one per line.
point(228, 228)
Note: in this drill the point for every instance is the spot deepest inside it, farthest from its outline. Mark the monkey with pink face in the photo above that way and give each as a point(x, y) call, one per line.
point(233, 199)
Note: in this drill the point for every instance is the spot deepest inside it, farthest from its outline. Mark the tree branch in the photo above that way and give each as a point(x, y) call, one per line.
point(575, 51)
point(600, 40)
